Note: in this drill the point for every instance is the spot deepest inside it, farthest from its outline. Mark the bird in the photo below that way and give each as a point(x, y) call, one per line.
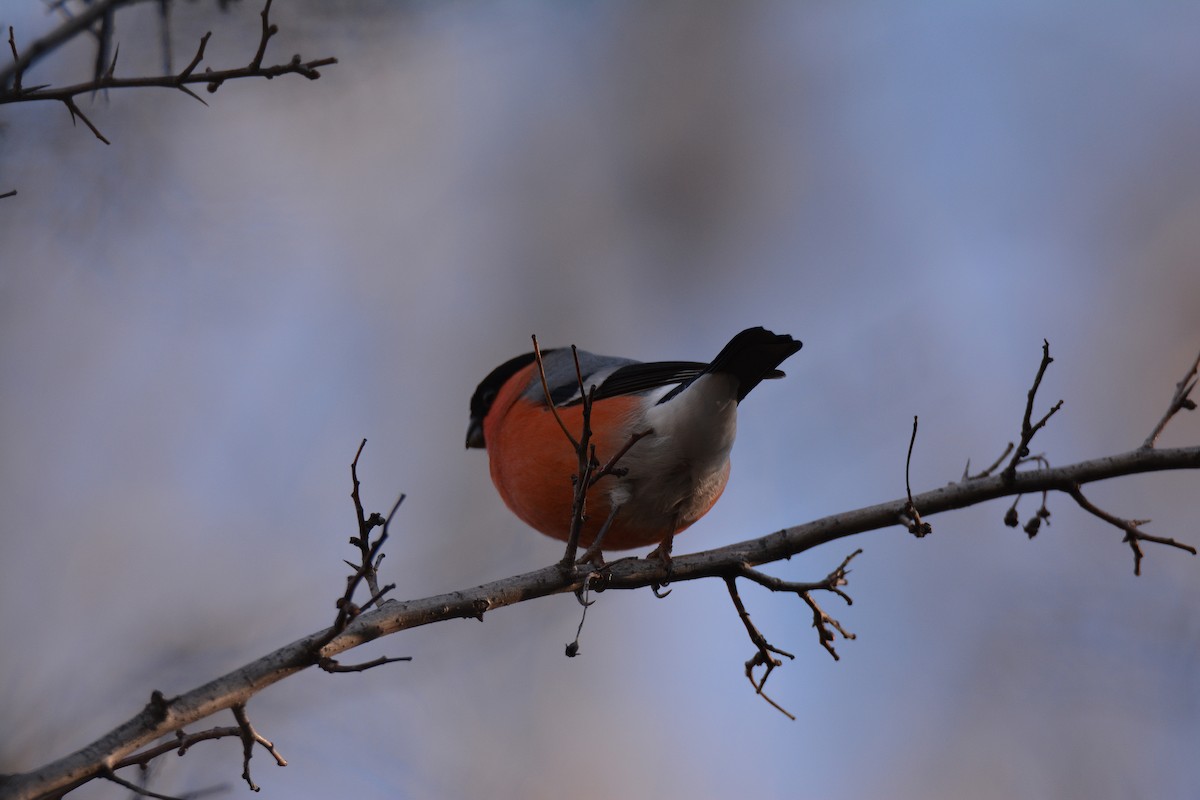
point(669, 424)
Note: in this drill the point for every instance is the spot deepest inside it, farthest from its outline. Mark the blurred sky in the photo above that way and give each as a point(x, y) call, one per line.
point(199, 323)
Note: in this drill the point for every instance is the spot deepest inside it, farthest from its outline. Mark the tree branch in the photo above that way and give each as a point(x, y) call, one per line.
point(69, 29)
point(1028, 428)
point(101, 12)
point(1181, 401)
point(165, 716)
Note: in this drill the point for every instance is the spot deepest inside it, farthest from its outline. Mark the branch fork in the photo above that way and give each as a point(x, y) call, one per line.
point(765, 654)
point(1134, 535)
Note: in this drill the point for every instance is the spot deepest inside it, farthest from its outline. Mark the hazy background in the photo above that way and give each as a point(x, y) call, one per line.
point(199, 323)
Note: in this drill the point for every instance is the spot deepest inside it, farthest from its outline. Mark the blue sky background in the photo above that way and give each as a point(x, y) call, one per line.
point(199, 322)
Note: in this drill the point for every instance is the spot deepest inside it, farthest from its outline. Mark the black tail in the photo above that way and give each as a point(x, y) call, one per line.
point(752, 356)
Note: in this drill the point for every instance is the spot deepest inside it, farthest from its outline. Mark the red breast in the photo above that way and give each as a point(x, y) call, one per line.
point(532, 463)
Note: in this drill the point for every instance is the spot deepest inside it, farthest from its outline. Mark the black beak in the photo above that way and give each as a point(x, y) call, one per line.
point(475, 434)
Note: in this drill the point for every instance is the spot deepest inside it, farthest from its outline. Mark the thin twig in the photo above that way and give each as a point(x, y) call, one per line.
point(268, 30)
point(1027, 429)
point(1179, 401)
point(537, 357)
point(765, 654)
point(75, 112)
point(830, 583)
point(611, 468)
point(196, 59)
point(1132, 528)
point(367, 549)
point(967, 476)
point(307, 69)
point(572, 648)
point(112, 776)
point(250, 737)
point(821, 621)
point(586, 463)
point(12, 44)
point(370, 556)
point(181, 744)
point(112, 67)
point(915, 526)
point(331, 665)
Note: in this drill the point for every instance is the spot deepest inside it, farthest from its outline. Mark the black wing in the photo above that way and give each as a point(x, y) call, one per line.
point(641, 377)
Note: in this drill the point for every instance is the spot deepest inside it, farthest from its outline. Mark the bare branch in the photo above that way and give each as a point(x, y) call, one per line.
point(766, 652)
point(68, 30)
point(101, 13)
point(196, 59)
point(268, 30)
point(967, 476)
point(572, 648)
point(916, 526)
point(832, 583)
point(165, 717)
point(1179, 401)
point(250, 737)
point(332, 665)
point(181, 744)
point(367, 550)
point(75, 112)
point(104, 46)
point(823, 622)
point(212, 78)
point(537, 357)
point(109, 775)
point(585, 453)
point(1132, 528)
point(1028, 430)
point(611, 467)
point(12, 44)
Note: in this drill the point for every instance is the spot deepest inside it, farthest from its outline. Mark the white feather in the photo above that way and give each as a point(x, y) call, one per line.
point(675, 473)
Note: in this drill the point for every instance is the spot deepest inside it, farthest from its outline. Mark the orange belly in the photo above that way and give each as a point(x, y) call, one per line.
point(532, 464)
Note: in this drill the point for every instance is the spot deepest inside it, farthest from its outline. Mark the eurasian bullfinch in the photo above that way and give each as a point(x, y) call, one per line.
point(686, 413)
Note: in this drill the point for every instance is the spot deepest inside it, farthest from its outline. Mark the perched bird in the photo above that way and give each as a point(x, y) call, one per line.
point(675, 420)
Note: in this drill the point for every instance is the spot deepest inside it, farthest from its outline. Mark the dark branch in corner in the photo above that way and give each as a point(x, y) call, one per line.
point(12, 91)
